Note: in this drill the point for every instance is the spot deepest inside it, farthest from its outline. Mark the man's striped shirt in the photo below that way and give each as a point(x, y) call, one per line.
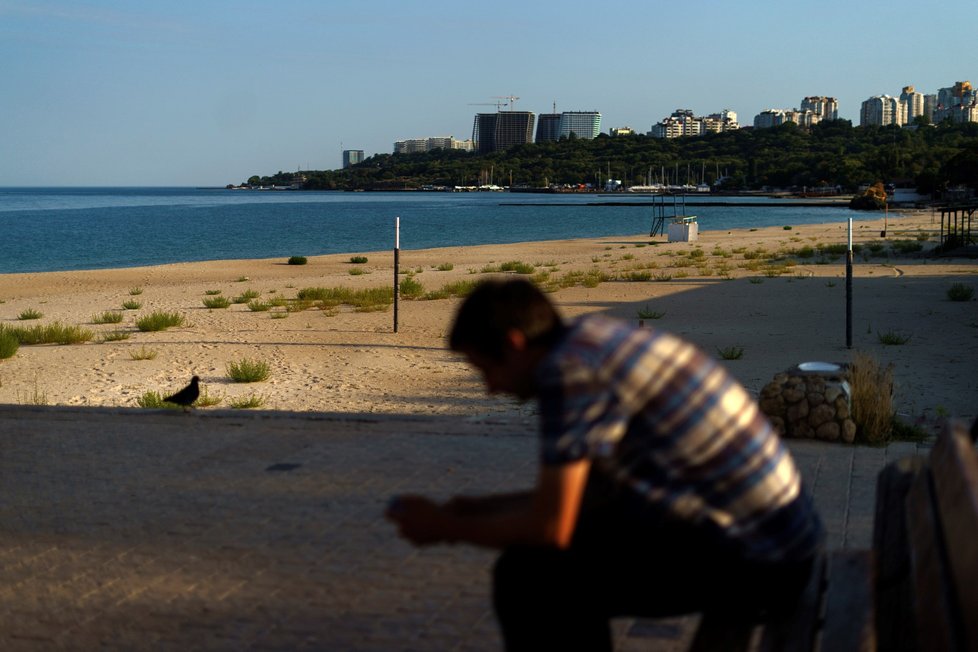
point(663, 419)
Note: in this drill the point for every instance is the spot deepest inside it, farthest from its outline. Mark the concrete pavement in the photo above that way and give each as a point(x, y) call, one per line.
point(228, 530)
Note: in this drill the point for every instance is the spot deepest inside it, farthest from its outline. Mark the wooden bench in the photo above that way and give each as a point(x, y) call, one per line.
point(917, 589)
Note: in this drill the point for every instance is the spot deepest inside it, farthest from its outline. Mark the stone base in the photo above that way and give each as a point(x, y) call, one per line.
point(810, 405)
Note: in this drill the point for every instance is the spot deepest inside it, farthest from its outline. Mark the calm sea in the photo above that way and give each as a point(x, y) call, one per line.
point(55, 229)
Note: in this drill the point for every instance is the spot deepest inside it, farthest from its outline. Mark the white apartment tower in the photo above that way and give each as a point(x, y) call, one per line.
point(775, 117)
point(914, 102)
point(883, 110)
point(826, 108)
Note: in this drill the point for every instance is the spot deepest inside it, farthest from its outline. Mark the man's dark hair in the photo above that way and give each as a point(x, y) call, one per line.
point(497, 306)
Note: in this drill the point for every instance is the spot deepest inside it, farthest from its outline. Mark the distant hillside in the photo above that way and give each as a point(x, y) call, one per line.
point(830, 154)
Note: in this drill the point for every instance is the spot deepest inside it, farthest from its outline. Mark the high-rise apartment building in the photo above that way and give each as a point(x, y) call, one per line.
point(583, 124)
point(883, 110)
point(958, 103)
point(493, 132)
point(352, 157)
point(716, 123)
point(826, 108)
point(427, 144)
point(682, 122)
point(914, 101)
point(548, 127)
point(775, 117)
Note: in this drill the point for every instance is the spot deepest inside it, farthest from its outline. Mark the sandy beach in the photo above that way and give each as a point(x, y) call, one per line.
point(728, 297)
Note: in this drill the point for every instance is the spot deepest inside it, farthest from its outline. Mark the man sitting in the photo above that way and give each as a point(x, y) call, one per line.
point(662, 489)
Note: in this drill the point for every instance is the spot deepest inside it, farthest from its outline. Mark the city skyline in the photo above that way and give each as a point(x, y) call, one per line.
point(212, 92)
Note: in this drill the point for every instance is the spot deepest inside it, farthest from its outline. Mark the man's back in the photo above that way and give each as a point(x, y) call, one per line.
point(659, 417)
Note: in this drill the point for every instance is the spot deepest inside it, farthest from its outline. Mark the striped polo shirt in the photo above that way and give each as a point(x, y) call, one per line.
point(666, 421)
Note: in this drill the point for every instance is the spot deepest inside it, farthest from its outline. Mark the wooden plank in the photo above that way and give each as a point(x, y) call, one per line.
point(796, 631)
point(894, 583)
point(718, 631)
point(954, 467)
point(849, 623)
point(935, 625)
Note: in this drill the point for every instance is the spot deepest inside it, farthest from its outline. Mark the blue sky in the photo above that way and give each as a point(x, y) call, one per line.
point(209, 92)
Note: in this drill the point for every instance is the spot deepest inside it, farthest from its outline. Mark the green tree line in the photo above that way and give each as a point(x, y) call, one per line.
point(832, 153)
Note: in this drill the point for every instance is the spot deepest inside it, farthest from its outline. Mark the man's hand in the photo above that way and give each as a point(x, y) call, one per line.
point(419, 520)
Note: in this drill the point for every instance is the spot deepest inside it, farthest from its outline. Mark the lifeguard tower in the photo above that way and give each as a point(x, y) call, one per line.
point(682, 227)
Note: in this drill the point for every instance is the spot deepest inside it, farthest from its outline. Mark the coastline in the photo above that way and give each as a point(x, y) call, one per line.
point(342, 360)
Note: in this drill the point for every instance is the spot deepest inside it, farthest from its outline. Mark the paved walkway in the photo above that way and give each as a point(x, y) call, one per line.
point(131, 529)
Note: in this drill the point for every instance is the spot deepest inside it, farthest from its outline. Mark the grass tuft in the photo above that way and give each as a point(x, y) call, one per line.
point(872, 398)
point(731, 352)
point(159, 321)
point(30, 313)
point(892, 338)
point(960, 292)
point(248, 403)
point(216, 302)
point(297, 260)
point(8, 344)
point(143, 353)
point(646, 313)
point(108, 317)
point(358, 260)
point(115, 336)
point(248, 371)
point(131, 304)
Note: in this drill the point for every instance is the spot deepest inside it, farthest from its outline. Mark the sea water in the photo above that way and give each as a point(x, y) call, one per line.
point(57, 229)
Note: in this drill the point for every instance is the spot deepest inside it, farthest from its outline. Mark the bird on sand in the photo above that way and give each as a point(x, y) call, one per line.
point(186, 396)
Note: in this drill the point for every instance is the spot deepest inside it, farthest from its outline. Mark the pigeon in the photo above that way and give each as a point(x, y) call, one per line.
point(187, 395)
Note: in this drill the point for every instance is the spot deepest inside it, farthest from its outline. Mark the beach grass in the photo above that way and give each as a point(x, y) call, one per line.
point(410, 288)
point(132, 304)
point(648, 313)
point(8, 345)
point(249, 402)
point(339, 296)
point(159, 321)
point(358, 260)
point(56, 333)
point(872, 397)
point(216, 302)
point(115, 336)
point(297, 260)
point(107, 317)
point(135, 291)
point(892, 338)
point(153, 400)
point(248, 371)
point(143, 353)
point(30, 313)
point(730, 352)
point(960, 292)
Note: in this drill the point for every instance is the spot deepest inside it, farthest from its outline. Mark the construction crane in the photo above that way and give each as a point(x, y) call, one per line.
point(512, 99)
point(495, 104)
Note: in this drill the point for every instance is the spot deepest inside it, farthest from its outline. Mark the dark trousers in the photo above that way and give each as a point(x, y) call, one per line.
point(617, 565)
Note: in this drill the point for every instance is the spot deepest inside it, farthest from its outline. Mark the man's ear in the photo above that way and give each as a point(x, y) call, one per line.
point(516, 340)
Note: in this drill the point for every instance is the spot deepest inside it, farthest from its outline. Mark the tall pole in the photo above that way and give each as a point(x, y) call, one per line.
point(849, 289)
point(397, 260)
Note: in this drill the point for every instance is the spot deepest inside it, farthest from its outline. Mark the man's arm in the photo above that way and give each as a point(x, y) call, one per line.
point(545, 516)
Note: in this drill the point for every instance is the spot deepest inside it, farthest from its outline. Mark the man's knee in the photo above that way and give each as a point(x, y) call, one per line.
point(529, 576)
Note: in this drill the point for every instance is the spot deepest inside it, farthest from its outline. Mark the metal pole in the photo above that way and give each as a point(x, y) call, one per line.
point(849, 290)
point(397, 261)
